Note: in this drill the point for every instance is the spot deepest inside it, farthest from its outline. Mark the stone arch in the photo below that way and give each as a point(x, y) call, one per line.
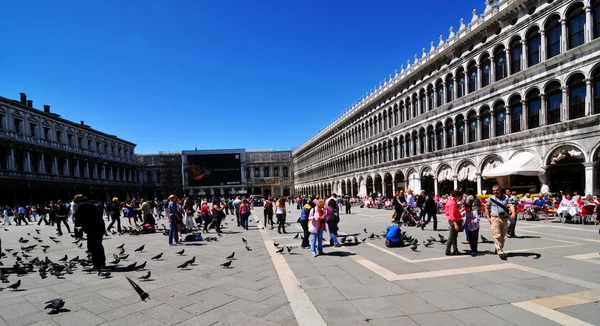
point(565, 168)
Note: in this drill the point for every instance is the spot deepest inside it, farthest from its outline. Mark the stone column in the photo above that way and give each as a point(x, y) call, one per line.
point(588, 96)
point(492, 70)
point(524, 117)
point(11, 160)
point(479, 74)
point(589, 24)
point(466, 132)
point(42, 164)
point(454, 134)
point(508, 68)
point(524, 61)
point(455, 179)
point(478, 131)
point(28, 162)
point(103, 176)
point(564, 111)
point(435, 185)
point(478, 176)
point(95, 171)
point(543, 45)
point(467, 90)
point(55, 166)
point(492, 124)
point(543, 115)
point(67, 168)
point(507, 122)
point(455, 88)
point(444, 95)
point(589, 177)
point(563, 37)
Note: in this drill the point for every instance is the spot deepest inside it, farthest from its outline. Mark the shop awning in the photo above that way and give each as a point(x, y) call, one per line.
point(524, 163)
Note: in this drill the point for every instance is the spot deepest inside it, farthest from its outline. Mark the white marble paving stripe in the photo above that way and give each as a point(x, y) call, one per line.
point(553, 315)
point(562, 236)
point(584, 256)
point(305, 312)
point(560, 277)
point(412, 261)
point(562, 227)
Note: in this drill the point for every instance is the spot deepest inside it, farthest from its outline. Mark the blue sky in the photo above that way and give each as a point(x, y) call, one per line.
point(174, 75)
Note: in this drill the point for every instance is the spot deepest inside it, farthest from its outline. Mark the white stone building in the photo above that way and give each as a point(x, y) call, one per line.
point(523, 77)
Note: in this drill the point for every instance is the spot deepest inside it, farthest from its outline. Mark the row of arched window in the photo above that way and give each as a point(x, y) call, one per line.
point(537, 107)
point(555, 36)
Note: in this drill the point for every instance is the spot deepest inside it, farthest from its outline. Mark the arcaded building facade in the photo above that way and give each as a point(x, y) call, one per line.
point(524, 76)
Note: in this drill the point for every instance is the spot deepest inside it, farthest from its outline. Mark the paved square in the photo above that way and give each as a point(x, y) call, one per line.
point(552, 276)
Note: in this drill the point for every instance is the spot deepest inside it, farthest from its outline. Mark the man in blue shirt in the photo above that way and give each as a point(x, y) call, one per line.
point(393, 236)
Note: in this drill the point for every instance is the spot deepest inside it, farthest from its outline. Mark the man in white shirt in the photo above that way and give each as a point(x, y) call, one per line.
point(6, 217)
point(237, 203)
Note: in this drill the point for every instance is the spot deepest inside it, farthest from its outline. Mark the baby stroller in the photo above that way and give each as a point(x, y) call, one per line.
point(410, 218)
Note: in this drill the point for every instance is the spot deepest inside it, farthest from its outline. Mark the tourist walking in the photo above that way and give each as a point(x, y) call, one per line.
point(205, 215)
point(89, 219)
point(497, 211)
point(268, 212)
point(430, 209)
point(218, 215)
point(174, 220)
point(188, 210)
point(454, 221)
point(245, 213)
point(348, 204)
point(472, 226)
point(332, 217)
point(513, 201)
point(281, 213)
point(62, 212)
point(316, 227)
point(237, 203)
point(114, 209)
point(6, 213)
point(304, 213)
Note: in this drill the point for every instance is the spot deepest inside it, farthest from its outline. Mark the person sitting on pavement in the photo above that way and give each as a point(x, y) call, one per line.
point(393, 236)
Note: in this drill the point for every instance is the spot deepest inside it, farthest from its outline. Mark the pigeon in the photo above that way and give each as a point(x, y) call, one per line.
point(121, 252)
point(140, 249)
point(145, 277)
point(26, 256)
point(37, 231)
point(55, 305)
point(143, 295)
point(21, 240)
point(180, 252)
point(280, 251)
point(157, 257)
point(80, 245)
point(230, 257)
point(227, 264)
point(8, 250)
point(297, 235)
point(15, 286)
point(275, 244)
point(131, 266)
point(64, 258)
point(372, 236)
point(124, 257)
point(116, 261)
point(428, 244)
point(343, 240)
point(484, 239)
point(365, 229)
point(192, 261)
point(56, 241)
point(76, 259)
point(441, 237)
point(289, 249)
point(442, 241)
point(4, 278)
point(141, 266)
point(356, 239)
point(413, 247)
point(248, 248)
point(363, 240)
point(121, 246)
point(104, 274)
point(184, 265)
point(244, 240)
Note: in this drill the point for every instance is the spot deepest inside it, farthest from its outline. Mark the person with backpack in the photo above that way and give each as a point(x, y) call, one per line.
point(268, 212)
point(333, 219)
point(281, 214)
point(430, 209)
point(308, 206)
point(245, 213)
point(62, 213)
point(205, 215)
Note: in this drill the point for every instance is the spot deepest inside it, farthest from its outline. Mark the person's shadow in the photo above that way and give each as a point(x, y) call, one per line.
point(523, 254)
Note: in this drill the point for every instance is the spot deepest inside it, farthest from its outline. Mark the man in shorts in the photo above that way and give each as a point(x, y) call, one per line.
point(497, 211)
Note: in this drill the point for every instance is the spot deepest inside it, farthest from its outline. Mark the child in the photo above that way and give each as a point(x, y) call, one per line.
point(472, 220)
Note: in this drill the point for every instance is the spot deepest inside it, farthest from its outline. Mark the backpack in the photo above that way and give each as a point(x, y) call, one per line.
point(9, 212)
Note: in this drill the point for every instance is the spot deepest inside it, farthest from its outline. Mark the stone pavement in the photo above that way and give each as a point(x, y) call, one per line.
point(552, 276)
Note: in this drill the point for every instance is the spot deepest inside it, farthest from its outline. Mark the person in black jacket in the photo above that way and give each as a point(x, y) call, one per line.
point(430, 208)
point(89, 219)
point(114, 209)
point(62, 212)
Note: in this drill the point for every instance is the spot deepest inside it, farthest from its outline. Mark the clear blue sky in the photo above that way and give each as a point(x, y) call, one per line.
point(173, 75)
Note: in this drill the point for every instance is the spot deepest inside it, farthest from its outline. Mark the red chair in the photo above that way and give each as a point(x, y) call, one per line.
point(521, 210)
point(587, 211)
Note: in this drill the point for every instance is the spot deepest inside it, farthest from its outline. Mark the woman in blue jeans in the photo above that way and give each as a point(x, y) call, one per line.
point(317, 224)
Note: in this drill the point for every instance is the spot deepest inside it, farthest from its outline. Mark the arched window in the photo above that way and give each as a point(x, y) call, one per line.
point(408, 109)
point(576, 26)
point(516, 52)
point(486, 71)
point(460, 129)
point(379, 124)
point(423, 103)
point(422, 141)
point(499, 118)
point(553, 32)
point(439, 136)
point(440, 94)
point(449, 89)
point(472, 72)
point(385, 121)
point(576, 86)
point(596, 17)
point(401, 143)
point(516, 114)
point(596, 82)
point(534, 105)
point(430, 139)
point(553, 102)
point(534, 43)
point(401, 112)
point(449, 134)
point(472, 121)
point(415, 142)
point(500, 64)
point(416, 105)
point(461, 91)
point(430, 98)
point(486, 122)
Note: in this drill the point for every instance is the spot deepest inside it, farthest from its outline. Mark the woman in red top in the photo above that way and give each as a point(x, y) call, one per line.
point(454, 221)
